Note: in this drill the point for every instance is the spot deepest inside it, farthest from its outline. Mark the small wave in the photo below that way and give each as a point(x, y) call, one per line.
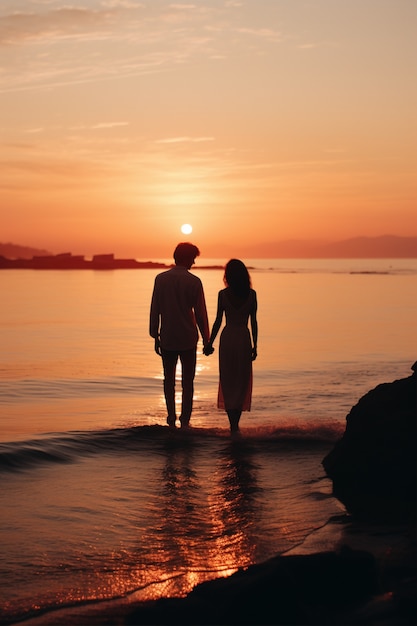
point(320, 433)
point(69, 447)
point(372, 272)
point(390, 271)
point(27, 389)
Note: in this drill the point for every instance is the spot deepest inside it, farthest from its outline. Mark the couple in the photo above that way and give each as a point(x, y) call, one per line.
point(178, 311)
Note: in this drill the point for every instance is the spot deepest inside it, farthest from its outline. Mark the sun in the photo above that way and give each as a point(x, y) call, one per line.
point(186, 229)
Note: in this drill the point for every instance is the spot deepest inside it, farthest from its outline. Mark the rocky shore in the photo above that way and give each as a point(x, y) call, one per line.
point(68, 261)
point(368, 579)
point(373, 466)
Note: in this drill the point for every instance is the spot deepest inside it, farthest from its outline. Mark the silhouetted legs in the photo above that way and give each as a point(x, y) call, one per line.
point(188, 360)
point(188, 364)
point(234, 417)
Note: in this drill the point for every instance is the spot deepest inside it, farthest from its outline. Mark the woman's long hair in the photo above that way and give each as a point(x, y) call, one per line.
point(236, 276)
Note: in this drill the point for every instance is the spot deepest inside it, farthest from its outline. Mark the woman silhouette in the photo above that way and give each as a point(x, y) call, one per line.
point(238, 346)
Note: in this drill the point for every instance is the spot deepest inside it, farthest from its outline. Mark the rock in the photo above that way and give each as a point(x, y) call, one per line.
point(373, 466)
point(303, 589)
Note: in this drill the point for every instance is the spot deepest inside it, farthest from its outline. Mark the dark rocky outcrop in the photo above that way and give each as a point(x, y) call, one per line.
point(373, 466)
point(68, 261)
point(310, 589)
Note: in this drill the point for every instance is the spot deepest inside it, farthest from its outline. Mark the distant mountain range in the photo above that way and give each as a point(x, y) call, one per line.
point(387, 246)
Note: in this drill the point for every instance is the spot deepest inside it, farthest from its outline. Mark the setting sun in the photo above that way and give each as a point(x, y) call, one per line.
point(186, 229)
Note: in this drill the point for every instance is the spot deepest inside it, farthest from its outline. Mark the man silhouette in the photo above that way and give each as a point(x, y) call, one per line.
point(178, 311)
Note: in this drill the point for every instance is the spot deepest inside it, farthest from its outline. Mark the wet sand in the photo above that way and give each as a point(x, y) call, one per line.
point(391, 603)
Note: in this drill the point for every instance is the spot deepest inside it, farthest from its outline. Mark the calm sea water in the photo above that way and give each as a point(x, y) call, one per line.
point(99, 500)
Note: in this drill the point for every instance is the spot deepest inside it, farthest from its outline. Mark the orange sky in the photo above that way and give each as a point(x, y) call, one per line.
point(252, 120)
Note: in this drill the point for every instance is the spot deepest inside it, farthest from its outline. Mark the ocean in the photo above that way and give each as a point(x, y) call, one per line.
point(100, 500)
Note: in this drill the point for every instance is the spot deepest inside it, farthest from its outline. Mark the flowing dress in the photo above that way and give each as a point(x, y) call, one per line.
point(235, 355)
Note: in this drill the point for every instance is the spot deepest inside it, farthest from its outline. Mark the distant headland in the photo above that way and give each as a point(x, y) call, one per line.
point(69, 261)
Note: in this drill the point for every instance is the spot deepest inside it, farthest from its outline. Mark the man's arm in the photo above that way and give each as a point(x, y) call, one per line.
point(154, 319)
point(201, 316)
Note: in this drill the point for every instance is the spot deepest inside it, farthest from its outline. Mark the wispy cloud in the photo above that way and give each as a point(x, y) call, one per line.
point(104, 125)
point(182, 7)
point(315, 45)
point(124, 4)
point(184, 140)
point(67, 22)
point(47, 47)
point(263, 33)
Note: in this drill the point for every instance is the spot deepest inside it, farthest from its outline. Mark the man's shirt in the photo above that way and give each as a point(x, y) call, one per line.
point(178, 307)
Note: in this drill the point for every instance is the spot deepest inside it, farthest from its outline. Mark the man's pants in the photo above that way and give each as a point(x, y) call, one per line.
point(188, 360)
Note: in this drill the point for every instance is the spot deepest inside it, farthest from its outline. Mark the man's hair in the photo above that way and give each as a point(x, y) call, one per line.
point(185, 253)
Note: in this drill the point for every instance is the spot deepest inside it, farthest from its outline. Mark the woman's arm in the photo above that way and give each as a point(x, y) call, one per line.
point(216, 325)
point(254, 327)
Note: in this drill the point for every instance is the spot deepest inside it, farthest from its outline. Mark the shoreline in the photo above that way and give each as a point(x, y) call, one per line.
point(117, 610)
point(389, 597)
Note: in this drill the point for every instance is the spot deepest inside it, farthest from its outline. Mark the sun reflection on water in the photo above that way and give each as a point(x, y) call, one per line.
point(189, 543)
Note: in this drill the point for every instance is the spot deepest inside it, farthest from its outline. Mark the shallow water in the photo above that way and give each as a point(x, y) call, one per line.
point(101, 515)
point(76, 353)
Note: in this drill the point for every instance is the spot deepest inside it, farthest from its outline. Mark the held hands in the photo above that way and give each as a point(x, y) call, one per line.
point(208, 349)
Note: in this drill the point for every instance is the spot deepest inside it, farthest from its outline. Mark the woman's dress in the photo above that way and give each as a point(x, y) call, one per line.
point(235, 355)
